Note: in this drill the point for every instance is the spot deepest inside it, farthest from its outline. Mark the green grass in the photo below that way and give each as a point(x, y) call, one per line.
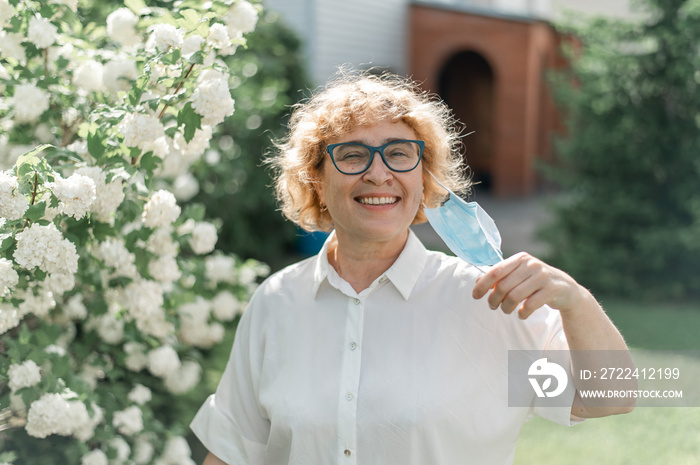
point(648, 435)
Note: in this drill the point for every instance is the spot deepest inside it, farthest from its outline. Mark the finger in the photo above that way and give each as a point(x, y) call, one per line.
point(495, 274)
point(532, 303)
point(503, 288)
point(518, 294)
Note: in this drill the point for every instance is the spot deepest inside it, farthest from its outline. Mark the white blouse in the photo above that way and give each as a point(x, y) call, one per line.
point(412, 370)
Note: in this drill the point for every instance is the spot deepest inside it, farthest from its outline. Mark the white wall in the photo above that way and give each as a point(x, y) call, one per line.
point(363, 33)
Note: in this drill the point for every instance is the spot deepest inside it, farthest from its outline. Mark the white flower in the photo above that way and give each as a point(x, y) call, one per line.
point(128, 421)
point(185, 187)
point(121, 27)
point(39, 304)
point(23, 375)
point(86, 431)
point(241, 18)
point(177, 451)
point(218, 36)
point(88, 76)
point(136, 358)
point(8, 276)
point(109, 327)
point(43, 134)
point(76, 194)
point(203, 238)
point(108, 196)
point(7, 11)
point(94, 457)
point(47, 416)
point(9, 318)
point(212, 98)
point(143, 452)
point(160, 210)
point(164, 269)
point(11, 46)
point(220, 268)
point(81, 426)
point(55, 350)
point(144, 303)
point(200, 334)
point(41, 32)
point(140, 394)
point(184, 379)
point(163, 361)
point(193, 149)
point(140, 130)
point(121, 447)
point(166, 36)
point(45, 247)
point(29, 103)
point(225, 306)
point(114, 254)
point(59, 283)
point(118, 74)
point(12, 203)
point(55, 414)
point(191, 44)
point(161, 242)
point(72, 4)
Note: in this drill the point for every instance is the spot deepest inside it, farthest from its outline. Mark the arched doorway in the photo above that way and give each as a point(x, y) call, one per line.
point(467, 85)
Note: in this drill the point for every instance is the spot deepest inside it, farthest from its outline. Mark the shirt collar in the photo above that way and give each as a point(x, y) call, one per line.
point(403, 274)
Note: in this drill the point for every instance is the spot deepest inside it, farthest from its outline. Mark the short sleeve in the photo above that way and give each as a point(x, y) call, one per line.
point(556, 340)
point(230, 423)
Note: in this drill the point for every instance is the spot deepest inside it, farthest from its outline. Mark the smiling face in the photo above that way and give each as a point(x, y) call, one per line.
point(378, 205)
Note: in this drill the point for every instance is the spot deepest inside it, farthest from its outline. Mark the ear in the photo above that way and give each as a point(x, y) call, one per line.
point(317, 185)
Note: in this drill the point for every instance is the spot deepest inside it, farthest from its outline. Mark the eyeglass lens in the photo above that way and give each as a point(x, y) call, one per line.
point(354, 158)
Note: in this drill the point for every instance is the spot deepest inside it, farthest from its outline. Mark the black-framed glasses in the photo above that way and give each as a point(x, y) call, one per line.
point(356, 158)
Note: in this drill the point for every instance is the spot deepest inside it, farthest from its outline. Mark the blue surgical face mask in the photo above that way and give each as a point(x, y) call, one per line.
point(467, 230)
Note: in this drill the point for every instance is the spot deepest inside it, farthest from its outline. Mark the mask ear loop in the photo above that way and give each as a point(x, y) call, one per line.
point(449, 193)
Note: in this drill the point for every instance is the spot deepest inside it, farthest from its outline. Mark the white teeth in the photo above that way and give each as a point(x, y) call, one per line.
point(377, 200)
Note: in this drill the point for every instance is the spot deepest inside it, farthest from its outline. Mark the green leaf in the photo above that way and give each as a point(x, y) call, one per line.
point(135, 5)
point(190, 119)
point(102, 231)
point(190, 19)
point(29, 157)
point(36, 212)
point(95, 144)
point(196, 58)
point(6, 243)
point(150, 162)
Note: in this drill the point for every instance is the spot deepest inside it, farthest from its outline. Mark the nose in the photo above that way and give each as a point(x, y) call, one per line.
point(378, 173)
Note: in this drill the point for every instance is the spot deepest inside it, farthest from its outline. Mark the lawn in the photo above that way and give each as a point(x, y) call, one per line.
point(645, 436)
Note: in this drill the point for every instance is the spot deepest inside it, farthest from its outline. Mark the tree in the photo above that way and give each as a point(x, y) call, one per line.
point(629, 160)
point(110, 291)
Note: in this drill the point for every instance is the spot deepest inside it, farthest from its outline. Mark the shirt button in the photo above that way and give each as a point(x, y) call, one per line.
point(347, 453)
point(353, 345)
point(349, 396)
point(358, 301)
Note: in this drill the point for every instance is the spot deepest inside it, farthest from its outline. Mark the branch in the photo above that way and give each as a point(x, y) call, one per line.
point(36, 184)
point(179, 86)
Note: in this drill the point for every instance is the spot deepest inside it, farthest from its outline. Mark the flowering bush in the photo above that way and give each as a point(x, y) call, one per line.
point(110, 290)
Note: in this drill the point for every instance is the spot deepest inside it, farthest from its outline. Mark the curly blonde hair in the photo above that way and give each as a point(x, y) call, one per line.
point(355, 99)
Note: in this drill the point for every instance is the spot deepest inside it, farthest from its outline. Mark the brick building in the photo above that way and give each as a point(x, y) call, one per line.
point(486, 58)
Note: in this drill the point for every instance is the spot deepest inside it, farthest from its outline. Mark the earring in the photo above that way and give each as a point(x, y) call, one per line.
point(324, 208)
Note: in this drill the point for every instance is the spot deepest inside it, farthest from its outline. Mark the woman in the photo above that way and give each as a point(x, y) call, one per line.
point(377, 351)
